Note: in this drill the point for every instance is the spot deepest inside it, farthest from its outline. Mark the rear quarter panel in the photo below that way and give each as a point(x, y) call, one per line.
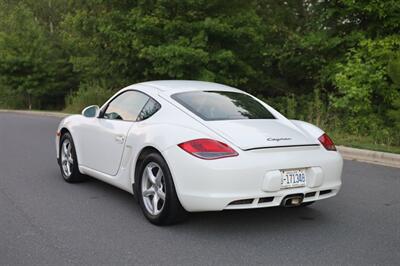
point(308, 128)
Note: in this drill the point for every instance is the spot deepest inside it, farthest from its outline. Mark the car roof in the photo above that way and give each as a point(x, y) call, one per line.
point(175, 86)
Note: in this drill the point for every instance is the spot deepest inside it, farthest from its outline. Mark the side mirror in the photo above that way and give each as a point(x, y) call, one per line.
point(91, 111)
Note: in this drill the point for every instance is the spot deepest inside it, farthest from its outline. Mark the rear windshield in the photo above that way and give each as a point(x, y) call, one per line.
point(222, 105)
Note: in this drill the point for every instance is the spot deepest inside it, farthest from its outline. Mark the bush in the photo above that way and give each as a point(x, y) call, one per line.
point(366, 88)
point(87, 94)
point(10, 100)
point(312, 108)
point(317, 109)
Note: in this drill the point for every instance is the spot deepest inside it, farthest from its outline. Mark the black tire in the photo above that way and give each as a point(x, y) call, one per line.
point(75, 176)
point(172, 211)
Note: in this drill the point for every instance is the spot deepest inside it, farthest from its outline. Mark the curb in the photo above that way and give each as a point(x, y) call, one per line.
point(367, 156)
point(38, 113)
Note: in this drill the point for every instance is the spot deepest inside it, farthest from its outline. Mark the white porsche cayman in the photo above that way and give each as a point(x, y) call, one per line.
point(189, 146)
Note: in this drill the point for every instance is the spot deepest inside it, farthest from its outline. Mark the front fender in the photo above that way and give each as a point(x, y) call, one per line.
point(69, 123)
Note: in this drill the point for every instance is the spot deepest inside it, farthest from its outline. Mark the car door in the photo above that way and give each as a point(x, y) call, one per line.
point(104, 138)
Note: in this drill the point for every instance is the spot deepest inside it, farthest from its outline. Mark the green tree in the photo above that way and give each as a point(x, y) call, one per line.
point(366, 90)
point(33, 69)
point(207, 40)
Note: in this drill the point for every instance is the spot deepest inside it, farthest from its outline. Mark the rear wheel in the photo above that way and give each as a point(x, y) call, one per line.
point(156, 192)
point(68, 160)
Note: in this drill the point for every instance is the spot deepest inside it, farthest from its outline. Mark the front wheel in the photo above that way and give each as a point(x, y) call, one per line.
point(156, 192)
point(68, 160)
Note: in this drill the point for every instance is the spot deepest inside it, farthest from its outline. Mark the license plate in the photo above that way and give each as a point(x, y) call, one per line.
point(293, 178)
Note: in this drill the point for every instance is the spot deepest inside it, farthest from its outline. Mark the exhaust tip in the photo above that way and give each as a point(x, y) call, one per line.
point(292, 200)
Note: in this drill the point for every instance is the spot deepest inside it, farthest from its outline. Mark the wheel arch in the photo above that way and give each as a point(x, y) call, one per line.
point(137, 164)
point(63, 130)
point(60, 133)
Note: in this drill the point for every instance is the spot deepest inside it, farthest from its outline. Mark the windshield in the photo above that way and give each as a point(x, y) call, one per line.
point(222, 105)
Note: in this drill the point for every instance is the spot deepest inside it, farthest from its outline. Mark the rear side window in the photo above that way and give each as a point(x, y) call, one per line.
point(222, 105)
point(151, 107)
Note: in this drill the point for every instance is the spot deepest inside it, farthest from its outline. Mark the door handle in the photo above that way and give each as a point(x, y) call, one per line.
point(119, 139)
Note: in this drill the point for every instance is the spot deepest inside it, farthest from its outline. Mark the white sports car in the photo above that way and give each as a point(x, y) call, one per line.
point(189, 146)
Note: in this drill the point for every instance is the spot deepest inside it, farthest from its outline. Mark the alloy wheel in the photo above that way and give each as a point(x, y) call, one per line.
point(67, 161)
point(153, 188)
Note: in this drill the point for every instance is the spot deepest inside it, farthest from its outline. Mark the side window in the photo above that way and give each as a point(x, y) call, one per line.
point(151, 107)
point(126, 106)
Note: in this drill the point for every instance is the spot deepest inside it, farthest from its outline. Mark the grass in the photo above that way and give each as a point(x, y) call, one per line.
point(362, 142)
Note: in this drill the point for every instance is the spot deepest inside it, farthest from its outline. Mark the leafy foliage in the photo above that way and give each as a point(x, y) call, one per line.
point(32, 69)
point(365, 88)
point(87, 94)
point(335, 63)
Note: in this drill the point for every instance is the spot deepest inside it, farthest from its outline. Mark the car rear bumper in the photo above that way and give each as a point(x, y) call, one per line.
point(252, 179)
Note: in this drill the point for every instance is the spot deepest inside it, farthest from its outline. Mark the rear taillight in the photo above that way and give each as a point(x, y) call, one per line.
point(208, 149)
point(327, 142)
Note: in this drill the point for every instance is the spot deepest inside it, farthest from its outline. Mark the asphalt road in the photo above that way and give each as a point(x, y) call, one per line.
point(46, 221)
